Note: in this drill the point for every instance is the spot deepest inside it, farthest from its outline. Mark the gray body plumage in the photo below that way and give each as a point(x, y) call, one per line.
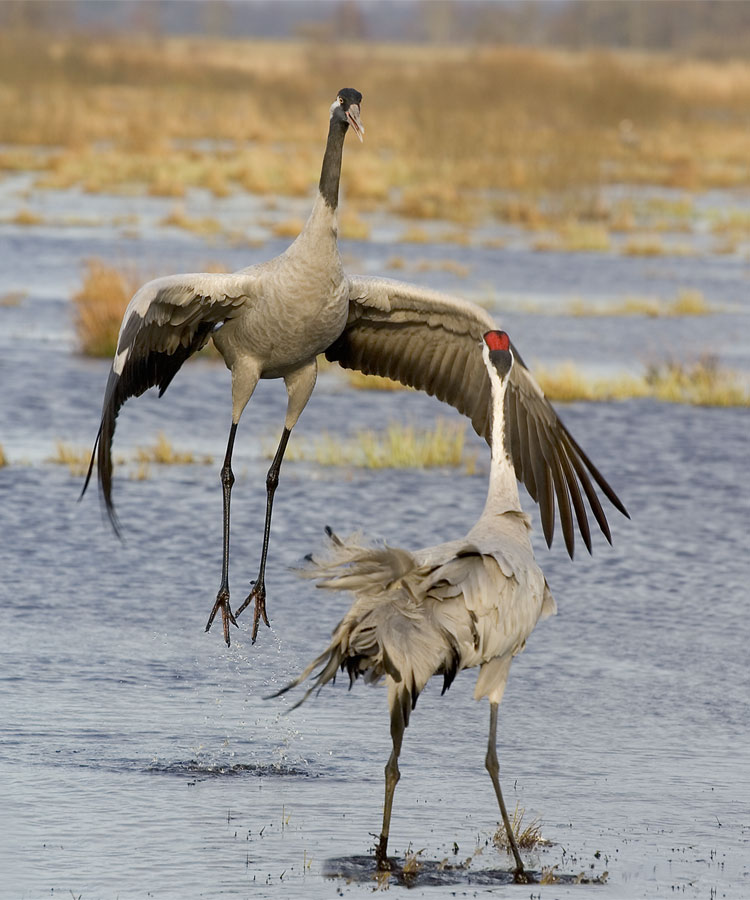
point(467, 603)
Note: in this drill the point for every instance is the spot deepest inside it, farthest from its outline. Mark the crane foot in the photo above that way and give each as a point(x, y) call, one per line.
point(258, 594)
point(227, 616)
point(383, 864)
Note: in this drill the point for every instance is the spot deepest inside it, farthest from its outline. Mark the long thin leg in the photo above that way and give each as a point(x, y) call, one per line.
point(258, 593)
point(392, 776)
point(222, 598)
point(493, 768)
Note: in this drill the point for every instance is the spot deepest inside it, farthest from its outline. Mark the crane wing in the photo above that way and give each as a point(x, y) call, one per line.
point(167, 321)
point(432, 341)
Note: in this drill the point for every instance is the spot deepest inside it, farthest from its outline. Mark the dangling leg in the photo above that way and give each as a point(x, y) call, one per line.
point(492, 767)
point(222, 598)
point(258, 593)
point(392, 775)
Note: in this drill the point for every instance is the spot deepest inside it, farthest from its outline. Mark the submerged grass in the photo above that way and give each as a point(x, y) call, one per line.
point(399, 447)
point(703, 383)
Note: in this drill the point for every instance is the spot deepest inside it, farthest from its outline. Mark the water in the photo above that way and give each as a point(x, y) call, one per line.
point(137, 754)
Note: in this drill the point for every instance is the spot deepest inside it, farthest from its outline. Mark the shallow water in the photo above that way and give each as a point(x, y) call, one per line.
point(137, 754)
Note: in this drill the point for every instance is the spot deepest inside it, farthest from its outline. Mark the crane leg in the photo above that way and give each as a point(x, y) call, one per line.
point(490, 762)
point(258, 592)
point(222, 598)
point(392, 776)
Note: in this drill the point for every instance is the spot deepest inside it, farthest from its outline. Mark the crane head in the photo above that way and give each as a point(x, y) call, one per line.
point(346, 107)
point(497, 352)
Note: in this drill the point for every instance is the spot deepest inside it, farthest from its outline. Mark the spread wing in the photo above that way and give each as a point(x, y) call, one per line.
point(167, 321)
point(432, 341)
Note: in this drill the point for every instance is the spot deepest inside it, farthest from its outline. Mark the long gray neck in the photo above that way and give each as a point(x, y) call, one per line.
point(502, 493)
point(331, 171)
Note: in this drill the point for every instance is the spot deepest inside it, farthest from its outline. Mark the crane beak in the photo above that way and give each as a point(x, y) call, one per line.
point(352, 117)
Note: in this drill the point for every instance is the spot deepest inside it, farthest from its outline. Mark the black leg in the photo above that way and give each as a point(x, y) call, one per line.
point(493, 768)
point(258, 593)
point(222, 598)
point(392, 776)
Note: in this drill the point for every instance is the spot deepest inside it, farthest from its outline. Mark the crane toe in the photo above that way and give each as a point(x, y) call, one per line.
point(227, 616)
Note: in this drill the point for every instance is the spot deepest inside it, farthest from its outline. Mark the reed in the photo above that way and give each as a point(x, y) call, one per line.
point(3, 457)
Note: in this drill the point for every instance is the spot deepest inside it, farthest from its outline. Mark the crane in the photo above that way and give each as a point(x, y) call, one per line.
point(273, 319)
point(465, 603)
point(267, 321)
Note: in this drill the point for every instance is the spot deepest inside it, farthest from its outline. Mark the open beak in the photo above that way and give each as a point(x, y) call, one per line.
point(352, 117)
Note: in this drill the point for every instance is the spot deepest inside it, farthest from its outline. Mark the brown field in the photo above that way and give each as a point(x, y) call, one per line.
point(444, 125)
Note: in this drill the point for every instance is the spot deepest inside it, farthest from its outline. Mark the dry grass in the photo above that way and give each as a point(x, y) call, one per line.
point(101, 301)
point(352, 226)
point(3, 457)
point(13, 298)
point(178, 218)
point(27, 217)
point(703, 383)
point(415, 235)
point(576, 237)
point(399, 447)
point(75, 458)
point(442, 265)
point(100, 305)
point(127, 115)
point(163, 453)
point(688, 302)
point(288, 228)
point(527, 836)
point(653, 245)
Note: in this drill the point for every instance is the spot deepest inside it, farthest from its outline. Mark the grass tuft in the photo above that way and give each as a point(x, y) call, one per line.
point(12, 298)
point(100, 305)
point(703, 383)
point(527, 837)
point(163, 453)
point(178, 218)
point(399, 447)
point(3, 457)
point(688, 302)
point(27, 217)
